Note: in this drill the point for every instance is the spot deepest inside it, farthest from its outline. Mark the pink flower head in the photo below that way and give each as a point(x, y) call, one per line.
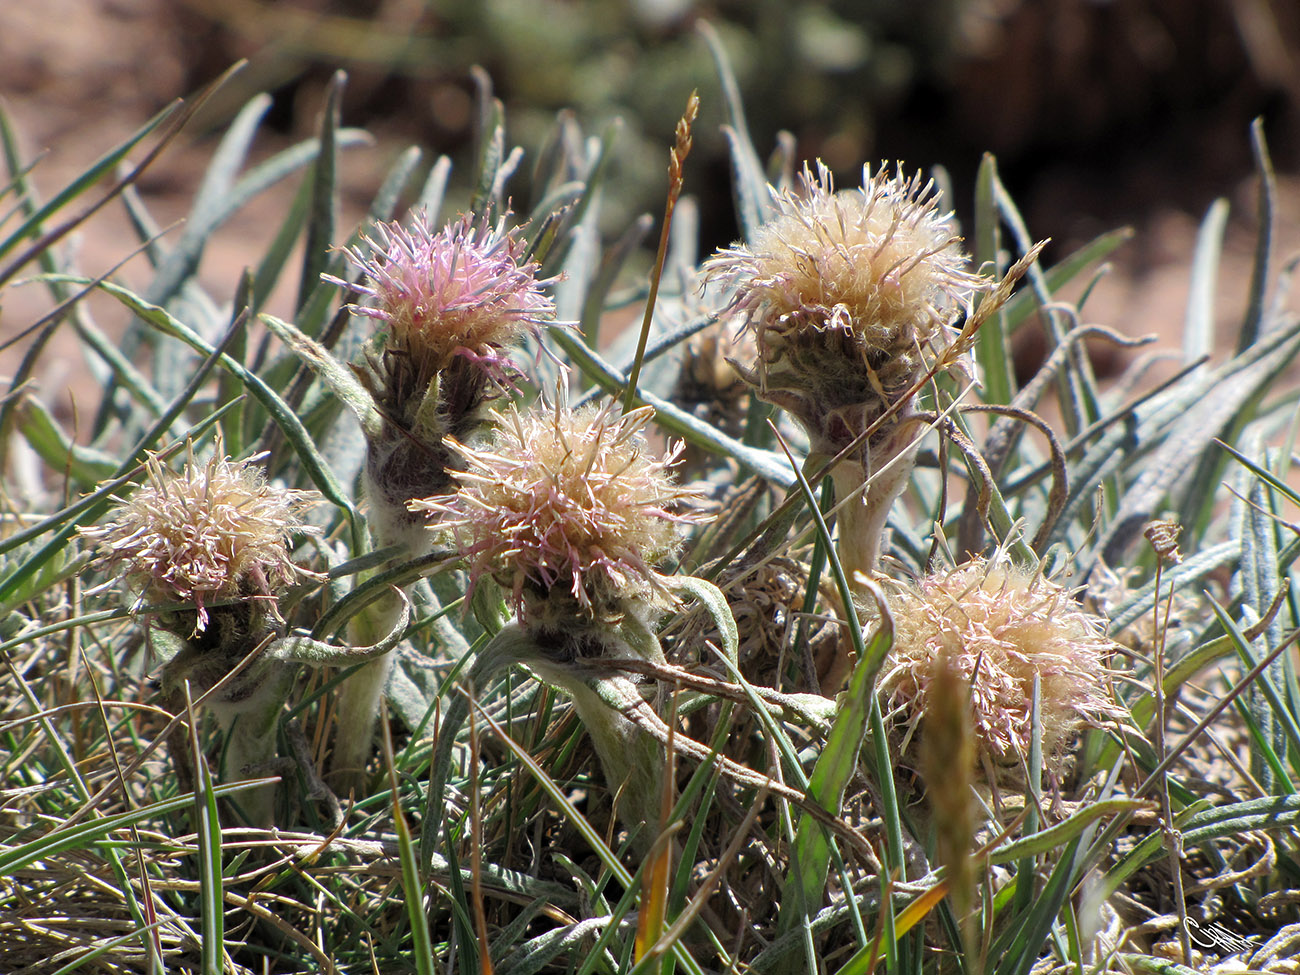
point(214, 531)
point(1001, 627)
point(568, 501)
point(465, 290)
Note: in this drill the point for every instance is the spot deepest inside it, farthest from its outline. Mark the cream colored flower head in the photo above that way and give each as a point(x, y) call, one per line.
point(567, 502)
point(214, 531)
point(861, 281)
point(1002, 627)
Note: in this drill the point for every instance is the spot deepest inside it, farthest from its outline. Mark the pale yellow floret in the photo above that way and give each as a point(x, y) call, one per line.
point(1002, 627)
point(213, 531)
point(567, 499)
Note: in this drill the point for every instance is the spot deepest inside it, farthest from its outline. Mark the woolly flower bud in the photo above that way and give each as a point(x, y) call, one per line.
point(465, 290)
point(845, 291)
point(211, 532)
point(566, 501)
point(1001, 627)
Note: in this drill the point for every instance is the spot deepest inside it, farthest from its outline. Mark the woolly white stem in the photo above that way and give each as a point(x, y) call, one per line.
point(250, 743)
point(633, 761)
point(862, 518)
point(358, 703)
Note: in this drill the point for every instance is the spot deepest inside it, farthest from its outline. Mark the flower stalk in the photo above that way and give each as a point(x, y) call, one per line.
point(452, 305)
point(209, 548)
point(570, 514)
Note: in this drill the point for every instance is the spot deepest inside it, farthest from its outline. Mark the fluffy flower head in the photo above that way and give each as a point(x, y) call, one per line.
point(1001, 627)
point(465, 290)
point(567, 501)
point(838, 281)
point(214, 531)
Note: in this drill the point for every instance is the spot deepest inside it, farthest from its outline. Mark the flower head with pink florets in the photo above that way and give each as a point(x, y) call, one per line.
point(454, 305)
point(467, 290)
point(848, 292)
point(215, 531)
point(1003, 628)
point(567, 504)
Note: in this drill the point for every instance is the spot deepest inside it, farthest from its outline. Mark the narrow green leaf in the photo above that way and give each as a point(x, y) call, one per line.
point(584, 210)
point(323, 210)
point(255, 181)
point(340, 379)
point(810, 858)
point(229, 389)
point(1078, 387)
point(992, 348)
point(1252, 325)
point(672, 418)
point(1072, 827)
point(83, 834)
point(492, 145)
point(81, 963)
point(1202, 824)
point(276, 257)
point(85, 466)
point(209, 205)
point(716, 604)
point(749, 183)
point(207, 829)
point(434, 189)
point(412, 887)
point(1275, 725)
point(395, 184)
point(317, 653)
point(1020, 945)
point(593, 307)
point(1024, 303)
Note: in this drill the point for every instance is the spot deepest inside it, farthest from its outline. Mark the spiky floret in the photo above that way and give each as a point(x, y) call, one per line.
point(570, 502)
point(1001, 627)
point(847, 291)
point(466, 290)
point(214, 531)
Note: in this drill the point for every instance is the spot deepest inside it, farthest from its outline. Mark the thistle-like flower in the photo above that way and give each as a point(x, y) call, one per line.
point(213, 532)
point(1001, 627)
point(852, 298)
point(571, 513)
point(454, 304)
point(466, 292)
point(215, 538)
point(569, 504)
point(848, 294)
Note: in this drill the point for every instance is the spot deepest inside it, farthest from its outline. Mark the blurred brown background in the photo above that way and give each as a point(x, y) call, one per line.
point(1101, 113)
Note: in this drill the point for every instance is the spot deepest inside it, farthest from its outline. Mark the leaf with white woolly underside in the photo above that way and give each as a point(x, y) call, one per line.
point(334, 373)
point(318, 653)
